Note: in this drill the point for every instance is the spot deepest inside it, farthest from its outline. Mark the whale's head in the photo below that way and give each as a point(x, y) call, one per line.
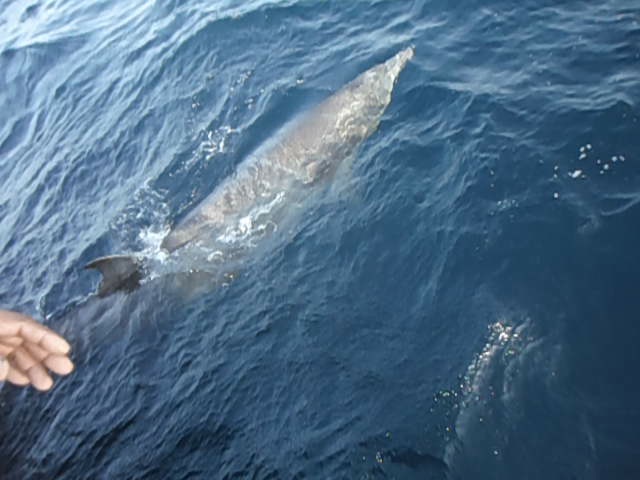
point(369, 94)
point(385, 75)
point(373, 88)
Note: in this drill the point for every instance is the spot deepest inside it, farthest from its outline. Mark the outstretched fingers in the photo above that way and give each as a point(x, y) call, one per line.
point(29, 350)
point(25, 364)
point(17, 325)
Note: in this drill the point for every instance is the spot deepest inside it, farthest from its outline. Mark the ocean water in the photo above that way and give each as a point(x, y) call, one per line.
point(461, 304)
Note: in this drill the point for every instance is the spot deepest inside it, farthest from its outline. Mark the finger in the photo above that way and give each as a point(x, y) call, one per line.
point(21, 359)
point(35, 351)
point(13, 341)
point(17, 377)
point(47, 339)
point(5, 350)
point(55, 344)
point(40, 378)
point(59, 364)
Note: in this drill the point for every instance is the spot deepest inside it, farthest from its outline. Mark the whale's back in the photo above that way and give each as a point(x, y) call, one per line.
point(305, 152)
point(249, 205)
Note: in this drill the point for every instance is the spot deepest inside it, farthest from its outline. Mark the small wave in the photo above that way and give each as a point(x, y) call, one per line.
point(623, 200)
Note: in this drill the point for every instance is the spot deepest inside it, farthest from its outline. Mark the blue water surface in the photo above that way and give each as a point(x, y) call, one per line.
point(461, 305)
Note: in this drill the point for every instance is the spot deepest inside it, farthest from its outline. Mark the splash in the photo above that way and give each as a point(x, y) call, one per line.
point(144, 219)
point(504, 342)
point(215, 142)
point(486, 390)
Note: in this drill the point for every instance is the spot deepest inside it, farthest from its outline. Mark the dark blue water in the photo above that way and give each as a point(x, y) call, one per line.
point(466, 308)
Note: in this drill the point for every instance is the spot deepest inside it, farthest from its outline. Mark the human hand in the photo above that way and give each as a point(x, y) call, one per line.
point(28, 349)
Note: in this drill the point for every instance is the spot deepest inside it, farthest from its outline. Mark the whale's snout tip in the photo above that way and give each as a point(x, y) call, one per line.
point(401, 58)
point(397, 63)
point(409, 52)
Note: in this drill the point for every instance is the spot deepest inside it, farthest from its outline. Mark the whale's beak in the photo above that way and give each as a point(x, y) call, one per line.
point(396, 63)
point(405, 55)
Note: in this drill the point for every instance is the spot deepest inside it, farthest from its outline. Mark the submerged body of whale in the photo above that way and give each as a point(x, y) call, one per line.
point(250, 203)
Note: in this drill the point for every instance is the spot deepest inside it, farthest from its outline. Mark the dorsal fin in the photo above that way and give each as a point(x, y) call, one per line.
point(119, 272)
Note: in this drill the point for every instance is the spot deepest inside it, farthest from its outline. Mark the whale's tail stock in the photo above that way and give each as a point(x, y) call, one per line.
point(119, 273)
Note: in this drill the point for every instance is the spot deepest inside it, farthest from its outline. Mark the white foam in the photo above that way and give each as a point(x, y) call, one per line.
point(151, 239)
point(215, 142)
point(251, 224)
point(147, 211)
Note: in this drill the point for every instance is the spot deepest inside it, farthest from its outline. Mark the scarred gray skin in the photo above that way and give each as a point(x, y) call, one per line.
point(308, 151)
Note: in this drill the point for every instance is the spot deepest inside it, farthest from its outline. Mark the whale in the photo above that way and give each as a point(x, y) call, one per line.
point(248, 206)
